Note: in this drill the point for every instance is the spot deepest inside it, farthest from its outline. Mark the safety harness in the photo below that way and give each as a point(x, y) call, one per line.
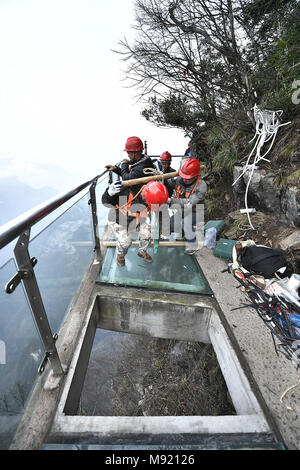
point(125, 208)
point(180, 192)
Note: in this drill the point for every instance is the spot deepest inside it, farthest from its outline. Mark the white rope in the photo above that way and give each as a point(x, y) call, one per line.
point(267, 125)
point(286, 391)
point(152, 171)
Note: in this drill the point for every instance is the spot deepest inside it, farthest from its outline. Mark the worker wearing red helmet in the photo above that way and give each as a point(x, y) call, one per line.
point(188, 195)
point(134, 166)
point(165, 160)
point(130, 209)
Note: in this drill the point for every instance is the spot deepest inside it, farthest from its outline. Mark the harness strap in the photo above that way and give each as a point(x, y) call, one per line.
point(125, 208)
point(187, 193)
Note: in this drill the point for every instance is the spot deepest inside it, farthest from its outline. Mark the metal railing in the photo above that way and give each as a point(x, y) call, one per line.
point(21, 227)
point(15, 227)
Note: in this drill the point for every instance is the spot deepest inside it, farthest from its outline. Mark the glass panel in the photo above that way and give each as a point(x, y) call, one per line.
point(102, 211)
point(21, 353)
point(171, 269)
point(63, 250)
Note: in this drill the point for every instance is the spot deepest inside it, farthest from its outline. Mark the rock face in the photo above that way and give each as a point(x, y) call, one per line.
point(292, 242)
point(265, 195)
point(290, 202)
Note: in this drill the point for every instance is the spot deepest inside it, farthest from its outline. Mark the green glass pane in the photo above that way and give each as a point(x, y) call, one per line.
point(102, 211)
point(63, 250)
point(171, 269)
point(21, 352)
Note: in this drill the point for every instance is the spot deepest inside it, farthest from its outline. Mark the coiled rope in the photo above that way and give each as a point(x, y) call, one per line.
point(152, 172)
point(267, 125)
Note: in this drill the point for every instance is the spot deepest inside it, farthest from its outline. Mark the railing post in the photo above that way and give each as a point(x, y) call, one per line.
point(26, 272)
point(93, 204)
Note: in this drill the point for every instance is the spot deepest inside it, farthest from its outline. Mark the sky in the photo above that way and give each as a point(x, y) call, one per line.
point(65, 109)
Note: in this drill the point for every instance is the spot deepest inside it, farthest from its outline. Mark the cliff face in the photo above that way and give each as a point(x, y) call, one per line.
point(275, 186)
point(267, 196)
point(274, 192)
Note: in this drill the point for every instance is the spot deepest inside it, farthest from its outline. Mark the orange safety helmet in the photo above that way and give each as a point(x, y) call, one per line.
point(155, 194)
point(165, 157)
point(190, 169)
point(133, 144)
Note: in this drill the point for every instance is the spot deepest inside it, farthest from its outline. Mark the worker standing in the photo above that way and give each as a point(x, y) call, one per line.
point(165, 161)
point(134, 166)
point(187, 201)
point(130, 210)
point(188, 153)
point(164, 217)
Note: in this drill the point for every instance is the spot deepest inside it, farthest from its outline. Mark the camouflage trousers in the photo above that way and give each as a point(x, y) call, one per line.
point(124, 239)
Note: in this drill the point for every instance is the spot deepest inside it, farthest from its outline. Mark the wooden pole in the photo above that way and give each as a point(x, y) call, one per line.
point(146, 179)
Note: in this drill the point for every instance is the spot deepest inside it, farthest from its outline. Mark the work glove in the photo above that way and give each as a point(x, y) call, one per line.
point(114, 188)
point(157, 164)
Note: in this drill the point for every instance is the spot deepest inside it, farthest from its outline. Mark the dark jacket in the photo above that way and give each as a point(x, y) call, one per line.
point(193, 199)
point(115, 215)
point(129, 171)
point(169, 183)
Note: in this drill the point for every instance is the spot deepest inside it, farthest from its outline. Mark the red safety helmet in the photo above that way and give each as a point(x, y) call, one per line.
point(133, 144)
point(165, 157)
point(190, 169)
point(155, 194)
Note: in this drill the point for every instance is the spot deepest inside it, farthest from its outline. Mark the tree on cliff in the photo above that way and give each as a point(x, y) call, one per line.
point(198, 57)
point(194, 50)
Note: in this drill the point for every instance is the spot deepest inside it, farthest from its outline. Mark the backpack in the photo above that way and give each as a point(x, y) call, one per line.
point(261, 260)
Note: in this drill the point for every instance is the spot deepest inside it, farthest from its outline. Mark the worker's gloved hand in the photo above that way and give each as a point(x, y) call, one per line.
point(114, 188)
point(111, 167)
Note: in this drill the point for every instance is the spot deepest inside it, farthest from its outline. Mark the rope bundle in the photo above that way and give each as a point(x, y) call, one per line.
point(267, 125)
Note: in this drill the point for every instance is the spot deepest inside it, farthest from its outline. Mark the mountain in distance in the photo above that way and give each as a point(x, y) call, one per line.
point(17, 197)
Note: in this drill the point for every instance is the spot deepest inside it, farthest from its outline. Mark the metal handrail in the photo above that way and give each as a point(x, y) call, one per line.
point(18, 225)
point(21, 226)
point(173, 156)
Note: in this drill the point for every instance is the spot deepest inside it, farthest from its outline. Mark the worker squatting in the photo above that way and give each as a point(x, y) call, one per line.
point(178, 202)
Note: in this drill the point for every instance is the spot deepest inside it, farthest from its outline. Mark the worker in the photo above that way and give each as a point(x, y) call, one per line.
point(187, 202)
point(165, 161)
point(130, 209)
point(134, 166)
point(164, 217)
point(187, 154)
point(188, 150)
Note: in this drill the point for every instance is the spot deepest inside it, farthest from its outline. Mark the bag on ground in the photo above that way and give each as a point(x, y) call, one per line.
point(261, 260)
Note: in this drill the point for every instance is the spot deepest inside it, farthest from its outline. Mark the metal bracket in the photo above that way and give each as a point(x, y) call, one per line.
point(21, 274)
point(27, 275)
point(47, 356)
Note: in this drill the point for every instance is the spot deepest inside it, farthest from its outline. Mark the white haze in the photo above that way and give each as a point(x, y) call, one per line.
point(64, 109)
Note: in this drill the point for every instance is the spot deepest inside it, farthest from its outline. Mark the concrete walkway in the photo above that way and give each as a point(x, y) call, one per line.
point(271, 374)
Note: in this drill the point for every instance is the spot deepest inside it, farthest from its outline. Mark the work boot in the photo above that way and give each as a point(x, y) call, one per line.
point(120, 260)
point(145, 256)
point(190, 251)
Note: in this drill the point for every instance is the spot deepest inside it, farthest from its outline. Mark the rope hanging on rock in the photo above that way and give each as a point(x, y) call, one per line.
point(267, 125)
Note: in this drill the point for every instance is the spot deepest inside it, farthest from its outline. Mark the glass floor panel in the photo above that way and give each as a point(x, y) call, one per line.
point(171, 269)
